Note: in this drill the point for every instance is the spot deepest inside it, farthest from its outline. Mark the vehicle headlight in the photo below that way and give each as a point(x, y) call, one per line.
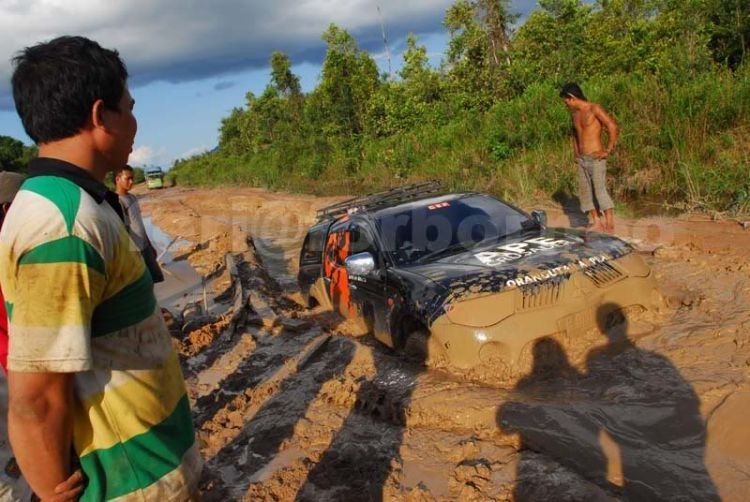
point(633, 265)
point(483, 311)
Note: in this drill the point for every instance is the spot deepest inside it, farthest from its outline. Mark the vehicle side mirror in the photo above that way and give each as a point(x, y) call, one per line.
point(360, 264)
point(539, 217)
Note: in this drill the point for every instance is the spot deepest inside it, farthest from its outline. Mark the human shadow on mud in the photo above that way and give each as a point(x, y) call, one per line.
point(571, 206)
point(630, 425)
point(537, 414)
point(261, 438)
point(652, 413)
point(362, 454)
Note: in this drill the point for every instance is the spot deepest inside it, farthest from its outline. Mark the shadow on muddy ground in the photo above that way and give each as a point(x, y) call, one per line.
point(630, 424)
point(571, 206)
point(355, 469)
point(239, 463)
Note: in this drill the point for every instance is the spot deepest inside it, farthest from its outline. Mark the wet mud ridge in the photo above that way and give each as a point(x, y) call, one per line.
point(296, 404)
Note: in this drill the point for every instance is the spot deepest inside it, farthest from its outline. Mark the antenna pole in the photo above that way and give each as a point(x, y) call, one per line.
point(385, 43)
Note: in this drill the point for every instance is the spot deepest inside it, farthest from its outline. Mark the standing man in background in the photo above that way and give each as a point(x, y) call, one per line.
point(91, 369)
point(588, 121)
point(134, 222)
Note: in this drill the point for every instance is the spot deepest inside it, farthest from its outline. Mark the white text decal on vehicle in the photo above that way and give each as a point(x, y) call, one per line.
point(517, 250)
point(561, 270)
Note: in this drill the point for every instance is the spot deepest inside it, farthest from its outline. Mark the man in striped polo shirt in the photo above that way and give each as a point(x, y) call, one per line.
point(90, 362)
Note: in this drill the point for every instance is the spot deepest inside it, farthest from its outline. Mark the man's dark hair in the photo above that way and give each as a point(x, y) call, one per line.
point(572, 89)
point(123, 169)
point(56, 83)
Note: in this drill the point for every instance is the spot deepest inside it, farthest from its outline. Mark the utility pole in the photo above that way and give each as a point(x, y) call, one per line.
point(385, 43)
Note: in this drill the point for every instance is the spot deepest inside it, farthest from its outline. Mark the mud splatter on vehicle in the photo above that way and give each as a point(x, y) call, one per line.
point(465, 278)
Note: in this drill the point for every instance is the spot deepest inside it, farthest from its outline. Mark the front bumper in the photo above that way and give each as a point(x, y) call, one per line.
point(576, 311)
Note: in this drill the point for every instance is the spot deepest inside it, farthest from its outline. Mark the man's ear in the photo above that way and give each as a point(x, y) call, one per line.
point(97, 114)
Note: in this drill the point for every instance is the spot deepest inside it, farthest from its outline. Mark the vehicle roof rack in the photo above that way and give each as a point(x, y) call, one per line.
point(379, 199)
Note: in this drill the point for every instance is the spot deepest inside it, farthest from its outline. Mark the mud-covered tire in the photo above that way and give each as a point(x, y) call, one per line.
point(425, 349)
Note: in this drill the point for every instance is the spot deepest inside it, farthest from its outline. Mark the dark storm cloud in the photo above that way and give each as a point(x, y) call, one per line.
point(224, 84)
point(178, 41)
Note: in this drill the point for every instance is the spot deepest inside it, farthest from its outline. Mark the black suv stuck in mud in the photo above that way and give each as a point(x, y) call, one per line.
point(464, 278)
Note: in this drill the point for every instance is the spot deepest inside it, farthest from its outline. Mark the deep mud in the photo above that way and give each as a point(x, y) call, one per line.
point(296, 404)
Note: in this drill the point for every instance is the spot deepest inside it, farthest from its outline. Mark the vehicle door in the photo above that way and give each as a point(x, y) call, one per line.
point(335, 274)
point(368, 292)
point(311, 258)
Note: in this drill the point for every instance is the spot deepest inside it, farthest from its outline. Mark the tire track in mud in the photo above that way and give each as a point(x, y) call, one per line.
point(281, 418)
point(358, 413)
point(244, 423)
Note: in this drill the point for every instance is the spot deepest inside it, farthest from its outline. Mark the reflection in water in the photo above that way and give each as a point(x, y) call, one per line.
point(182, 284)
point(277, 238)
point(630, 424)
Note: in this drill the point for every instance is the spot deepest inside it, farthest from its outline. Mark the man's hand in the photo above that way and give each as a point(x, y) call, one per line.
point(70, 489)
point(601, 154)
point(610, 124)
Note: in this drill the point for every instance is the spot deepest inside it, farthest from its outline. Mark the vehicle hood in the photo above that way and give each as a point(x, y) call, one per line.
point(530, 258)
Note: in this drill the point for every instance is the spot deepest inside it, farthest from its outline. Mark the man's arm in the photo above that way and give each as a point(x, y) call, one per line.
point(40, 428)
point(574, 143)
point(610, 124)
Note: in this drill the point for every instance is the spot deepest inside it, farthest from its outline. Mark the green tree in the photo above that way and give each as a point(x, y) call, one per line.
point(730, 30)
point(478, 52)
point(139, 175)
point(349, 79)
point(286, 83)
point(401, 105)
point(268, 119)
point(552, 43)
point(13, 154)
point(230, 131)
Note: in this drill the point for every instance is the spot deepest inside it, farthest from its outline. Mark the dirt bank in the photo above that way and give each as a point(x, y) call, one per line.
point(291, 403)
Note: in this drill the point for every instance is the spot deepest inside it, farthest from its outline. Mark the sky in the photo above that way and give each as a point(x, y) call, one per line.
point(191, 62)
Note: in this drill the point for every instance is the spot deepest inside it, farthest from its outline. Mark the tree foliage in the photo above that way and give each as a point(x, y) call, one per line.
point(478, 54)
point(14, 155)
point(492, 103)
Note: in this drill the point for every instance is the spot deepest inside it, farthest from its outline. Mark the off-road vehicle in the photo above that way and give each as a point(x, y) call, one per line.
point(465, 278)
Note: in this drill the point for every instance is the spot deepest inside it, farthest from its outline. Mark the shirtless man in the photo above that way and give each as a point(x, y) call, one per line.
point(591, 155)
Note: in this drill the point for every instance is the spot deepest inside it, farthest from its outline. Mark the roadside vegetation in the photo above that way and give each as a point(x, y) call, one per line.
point(672, 72)
point(14, 155)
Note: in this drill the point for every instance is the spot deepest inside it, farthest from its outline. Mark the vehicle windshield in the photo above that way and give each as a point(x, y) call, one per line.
point(435, 229)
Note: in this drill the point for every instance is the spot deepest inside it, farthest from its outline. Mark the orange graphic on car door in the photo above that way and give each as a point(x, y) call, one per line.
point(337, 250)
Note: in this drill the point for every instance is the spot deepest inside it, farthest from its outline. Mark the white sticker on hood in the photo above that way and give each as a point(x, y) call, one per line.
point(517, 250)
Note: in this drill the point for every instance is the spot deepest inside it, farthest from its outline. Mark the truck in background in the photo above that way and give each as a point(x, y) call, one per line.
point(154, 178)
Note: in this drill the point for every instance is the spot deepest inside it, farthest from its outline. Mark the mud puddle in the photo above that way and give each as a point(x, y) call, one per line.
point(182, 284)
point(296, 404)
point(276, 238)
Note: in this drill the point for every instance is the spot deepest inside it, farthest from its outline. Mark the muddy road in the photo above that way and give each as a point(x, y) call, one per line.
point(297, 404)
